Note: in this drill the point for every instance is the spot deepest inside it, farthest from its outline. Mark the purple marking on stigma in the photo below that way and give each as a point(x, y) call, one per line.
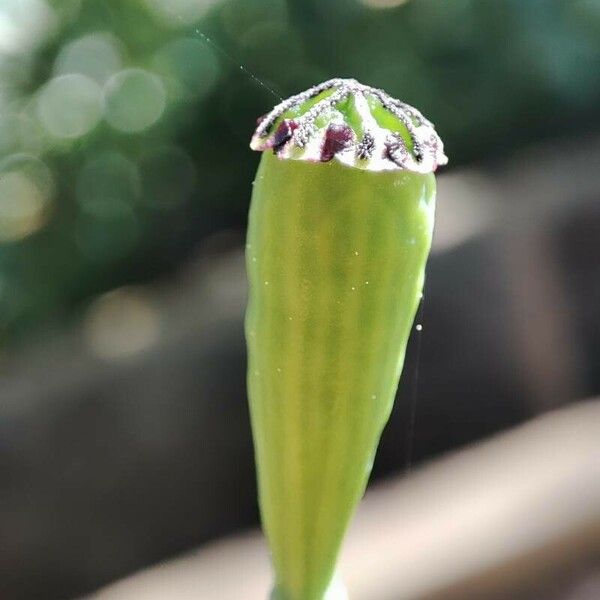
point(337, 138)
point(283, 134)
point(397, 152)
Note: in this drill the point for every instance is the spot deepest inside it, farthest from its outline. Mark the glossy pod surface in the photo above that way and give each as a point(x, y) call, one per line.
point(335, 258)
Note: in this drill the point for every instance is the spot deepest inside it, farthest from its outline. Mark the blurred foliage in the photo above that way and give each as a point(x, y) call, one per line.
point(124, 125)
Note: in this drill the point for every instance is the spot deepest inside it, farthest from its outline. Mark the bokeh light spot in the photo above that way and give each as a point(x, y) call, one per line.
point(69, 106)
point(24, 24)
point(190, 65)
point(135, 100)
point(96, 55)
point(121, 324)
point(383, 3)
point(22, 206)
point(33, 167)
point(180, 12)
point(107, 183)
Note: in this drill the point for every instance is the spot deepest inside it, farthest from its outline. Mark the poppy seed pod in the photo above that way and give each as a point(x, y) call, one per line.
point(340, 228)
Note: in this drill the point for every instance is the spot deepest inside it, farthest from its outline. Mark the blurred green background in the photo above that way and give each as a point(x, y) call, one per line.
point(125, 179)
point(124, 131)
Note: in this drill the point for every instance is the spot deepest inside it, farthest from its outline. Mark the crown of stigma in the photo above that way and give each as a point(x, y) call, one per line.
point(358, 125)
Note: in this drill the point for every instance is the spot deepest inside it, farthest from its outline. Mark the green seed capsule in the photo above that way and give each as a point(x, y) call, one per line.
point(340, 228)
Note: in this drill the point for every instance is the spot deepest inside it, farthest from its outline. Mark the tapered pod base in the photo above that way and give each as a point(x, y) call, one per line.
point(335, 591)
point(335, 259)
